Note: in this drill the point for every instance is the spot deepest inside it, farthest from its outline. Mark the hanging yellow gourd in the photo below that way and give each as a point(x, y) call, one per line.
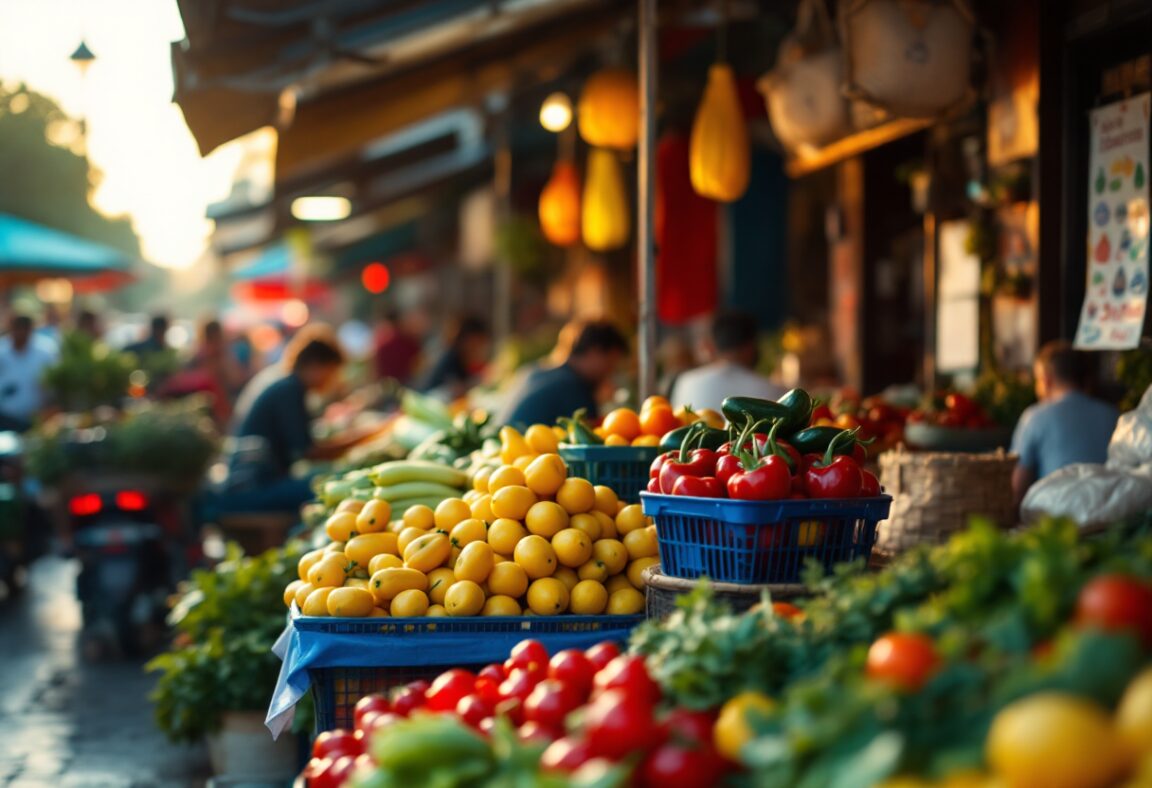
point(718, 154)
point(605, 212)
point(560, 205)
point(608, 113)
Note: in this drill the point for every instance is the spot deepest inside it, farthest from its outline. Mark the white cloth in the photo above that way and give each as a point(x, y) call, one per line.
point(707, 386)
point(21, 392)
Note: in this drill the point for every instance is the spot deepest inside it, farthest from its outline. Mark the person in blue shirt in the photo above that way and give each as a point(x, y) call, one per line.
point(550, 392)
point(1066, 426)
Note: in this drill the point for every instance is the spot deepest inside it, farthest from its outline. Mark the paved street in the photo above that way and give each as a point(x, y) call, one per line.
point(70, 724)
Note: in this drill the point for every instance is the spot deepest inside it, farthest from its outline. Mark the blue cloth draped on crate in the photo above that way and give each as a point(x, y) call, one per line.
point(309, 645)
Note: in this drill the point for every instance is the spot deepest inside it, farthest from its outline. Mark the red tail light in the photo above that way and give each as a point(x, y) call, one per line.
point(85, 505)
point(131, 501)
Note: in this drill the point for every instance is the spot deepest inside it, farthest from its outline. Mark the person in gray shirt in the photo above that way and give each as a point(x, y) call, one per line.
point(1066, 426)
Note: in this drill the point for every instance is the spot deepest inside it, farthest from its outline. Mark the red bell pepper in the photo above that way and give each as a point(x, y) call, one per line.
point(834, 476)
point(762, 478)
point(653, 485)
point(687, 462)
point(728, 466)
point(698, 487)
point(870, 488)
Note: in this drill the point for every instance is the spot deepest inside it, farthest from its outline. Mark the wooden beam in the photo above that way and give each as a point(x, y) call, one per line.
point(853, 145)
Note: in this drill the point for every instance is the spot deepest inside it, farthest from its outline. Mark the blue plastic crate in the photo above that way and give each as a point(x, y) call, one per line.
point(761, 541)
point(623, 468)
point(372, 655)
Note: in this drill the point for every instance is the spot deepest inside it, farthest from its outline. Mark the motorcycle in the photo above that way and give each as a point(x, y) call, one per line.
point(16, 510)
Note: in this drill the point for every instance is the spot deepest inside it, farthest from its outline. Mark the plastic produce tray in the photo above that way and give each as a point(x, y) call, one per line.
point(623, 468)
point(761, 541)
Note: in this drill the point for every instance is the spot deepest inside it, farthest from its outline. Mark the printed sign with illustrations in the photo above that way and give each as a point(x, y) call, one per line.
point(1116, 293)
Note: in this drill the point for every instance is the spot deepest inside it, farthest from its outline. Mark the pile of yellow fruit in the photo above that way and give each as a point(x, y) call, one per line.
point(524, 541)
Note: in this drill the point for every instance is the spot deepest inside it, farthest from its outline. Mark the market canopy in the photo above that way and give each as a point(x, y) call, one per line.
point(30, 251)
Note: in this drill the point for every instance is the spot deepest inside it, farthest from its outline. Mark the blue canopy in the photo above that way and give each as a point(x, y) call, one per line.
point(30, 249)
point(274, 262)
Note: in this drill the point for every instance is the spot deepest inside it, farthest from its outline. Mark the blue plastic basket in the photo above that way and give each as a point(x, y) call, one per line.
point(623, 468)
point(396, 651)
point(761, 541)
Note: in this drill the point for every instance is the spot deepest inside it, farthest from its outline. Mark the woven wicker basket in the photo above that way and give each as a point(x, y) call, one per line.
point(663, 591)
point(935, 493)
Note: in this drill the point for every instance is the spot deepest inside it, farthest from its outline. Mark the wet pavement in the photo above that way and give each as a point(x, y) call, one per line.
point(70, 723)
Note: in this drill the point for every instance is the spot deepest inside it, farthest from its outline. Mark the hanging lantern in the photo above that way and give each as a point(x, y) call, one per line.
point(718, 157)
point(605, 211)
point(560, 205)
point(608, 113)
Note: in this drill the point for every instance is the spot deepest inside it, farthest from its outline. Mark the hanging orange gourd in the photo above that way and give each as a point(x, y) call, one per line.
point(605, 210)
point(560, 205)
point(718, 156)
point(608, 113)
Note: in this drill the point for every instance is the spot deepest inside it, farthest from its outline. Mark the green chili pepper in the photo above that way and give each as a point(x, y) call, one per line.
point(579, 433)
point(816, 440)
point(710, 438)
point(794, 409)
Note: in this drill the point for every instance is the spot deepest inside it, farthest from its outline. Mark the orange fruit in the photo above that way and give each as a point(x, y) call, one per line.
point(658, 420)
point(623, 422)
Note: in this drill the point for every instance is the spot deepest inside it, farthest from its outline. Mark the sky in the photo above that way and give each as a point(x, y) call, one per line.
point(136, 135)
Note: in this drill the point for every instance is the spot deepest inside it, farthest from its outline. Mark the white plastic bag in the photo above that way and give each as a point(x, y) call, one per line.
point(1089, 494)
point(1131, 443)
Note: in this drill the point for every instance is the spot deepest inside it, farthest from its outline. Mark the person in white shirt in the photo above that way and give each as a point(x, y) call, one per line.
point(735, 351)
point(23, 359)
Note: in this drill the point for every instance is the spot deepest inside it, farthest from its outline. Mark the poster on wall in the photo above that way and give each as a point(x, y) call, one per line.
point(1116, 292)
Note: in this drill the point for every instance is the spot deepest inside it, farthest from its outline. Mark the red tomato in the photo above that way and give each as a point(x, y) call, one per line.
point(364, 766)
point(690, 727)
point(489, 689)
point(870, 487)
point(1117, 602)
point(573, 667)
point(904, 660)
point(406, 700)
point(628, 672)
point(550, 702)
point(376, 721)
point(960, 405)
point(534, 731)
point(526, 654)
point(602, 653)
point(513, 709)
point(786, 610)
point(473, 708)
point(674, 766)
point(495, 671)
point(519, 685)
point(449, 687)
point(333, 772)
point(486, 725)
point(369, 703)
point(329, 744)
point(620, 722)
point(566, 755)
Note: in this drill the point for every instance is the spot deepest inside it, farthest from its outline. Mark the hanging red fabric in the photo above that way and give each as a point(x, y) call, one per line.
point(686, 256)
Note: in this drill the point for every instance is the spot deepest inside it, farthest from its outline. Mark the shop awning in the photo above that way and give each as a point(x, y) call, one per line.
point(30, 251)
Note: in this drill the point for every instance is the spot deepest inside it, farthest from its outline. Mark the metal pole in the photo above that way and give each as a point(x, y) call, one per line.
point(646, 181)
point(502, 182)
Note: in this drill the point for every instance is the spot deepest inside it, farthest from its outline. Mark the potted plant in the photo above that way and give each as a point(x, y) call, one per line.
point(216, 680)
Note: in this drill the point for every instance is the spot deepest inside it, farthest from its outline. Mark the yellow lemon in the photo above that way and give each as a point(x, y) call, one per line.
point(387, 583)
point(625, 602)
point(341, 526)
point(607, 526)
point(512, 502)
point(356, 582)
point(353, 505)
point(317, 602)
point(521, 463)
point(586, 523)
point(541, 439)
point(630, 518)
point(302, 595)
point(350, 602)
point(362, 549)
point(439, 581)
point(536, 556)
point(436, 611)
point(307, 561)
point(593, 570)
point(505, 534)
point(505, 476)
point(618, 583)
point(482, 508)
point(334, 547)
point(475, 563)
point(470, 497)
point(450, 512)
point(427, 552)
point(635, 571)
point(573, 547)
point(576, 496)
point(290, 591)
point(329, 572)
point(732, 729)
point(545, 474)
point(589, 598)
point(468, 531)
point(546, 519)
point(567, 575)
point(613, 553)
point(500, 605)
point(409, 603)
point(407, 536)
point(378, 612)
point(508, 579)
point(480, 478)
point(464, 598)
point(641, 543)
point(419, 516)
point(374, 517)
point(605, 500)
point(1134, 714)
point(616, 440)
point(547, 596)
point(383, 561)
